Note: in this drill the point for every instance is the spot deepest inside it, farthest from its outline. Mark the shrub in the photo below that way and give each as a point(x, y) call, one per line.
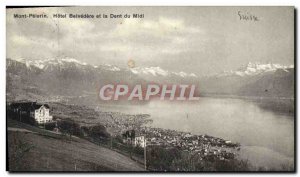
point(69, 127)
point(99, 133)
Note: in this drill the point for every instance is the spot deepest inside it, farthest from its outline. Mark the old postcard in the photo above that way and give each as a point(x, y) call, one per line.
point(151, 89)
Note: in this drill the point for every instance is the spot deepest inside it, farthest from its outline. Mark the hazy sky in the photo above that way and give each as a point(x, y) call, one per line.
point(201, 40)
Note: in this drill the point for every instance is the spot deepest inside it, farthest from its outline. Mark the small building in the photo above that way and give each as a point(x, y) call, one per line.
point(128, 137)
point(140, 141)
point(133, 138)
point(28, 111)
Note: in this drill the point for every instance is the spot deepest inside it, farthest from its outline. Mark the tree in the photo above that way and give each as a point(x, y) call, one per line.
point(160, 158)
point(69, 127)
point(99, 133)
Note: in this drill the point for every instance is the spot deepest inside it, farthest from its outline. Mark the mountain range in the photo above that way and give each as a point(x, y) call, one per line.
point(253, 79)
point(40, 79)
point(30, 79)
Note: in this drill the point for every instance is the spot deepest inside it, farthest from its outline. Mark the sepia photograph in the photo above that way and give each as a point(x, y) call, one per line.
point(150, 89)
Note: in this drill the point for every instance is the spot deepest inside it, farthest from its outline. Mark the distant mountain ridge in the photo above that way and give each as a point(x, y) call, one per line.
point(255, 80)
point(34, 79)
point(67, 62)
point(68, 76)
point(255, 68)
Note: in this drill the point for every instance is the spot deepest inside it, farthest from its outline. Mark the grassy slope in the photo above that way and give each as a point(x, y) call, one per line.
point(40, 150)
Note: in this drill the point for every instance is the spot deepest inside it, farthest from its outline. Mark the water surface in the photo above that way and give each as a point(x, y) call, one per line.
point(266, 136)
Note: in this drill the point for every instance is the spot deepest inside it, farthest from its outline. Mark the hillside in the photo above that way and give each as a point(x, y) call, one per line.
point(34, 149)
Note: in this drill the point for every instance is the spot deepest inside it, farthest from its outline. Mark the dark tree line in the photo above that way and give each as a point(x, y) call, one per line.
point(70, 127)
point(172, 159)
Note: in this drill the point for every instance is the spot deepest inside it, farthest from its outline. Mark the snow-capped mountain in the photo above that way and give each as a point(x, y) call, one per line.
point(43, 64)
point(255, 68)
point(62, 63)
point(254, 79)
point(50, 64)
point(157, 71)
point(68, 76)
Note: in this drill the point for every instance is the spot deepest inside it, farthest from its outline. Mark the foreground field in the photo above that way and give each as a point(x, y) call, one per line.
point(34, 149)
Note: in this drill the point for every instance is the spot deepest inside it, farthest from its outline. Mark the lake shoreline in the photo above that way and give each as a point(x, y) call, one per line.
point(244, 121)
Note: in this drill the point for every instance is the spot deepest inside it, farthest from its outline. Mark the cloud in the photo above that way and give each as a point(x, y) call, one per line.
point(195, 37)
point(20, 40)
point(163, 27)
point(144, 39)
point(151, 38)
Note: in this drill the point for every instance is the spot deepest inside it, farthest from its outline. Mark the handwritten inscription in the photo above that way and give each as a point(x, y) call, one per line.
point(246, 16)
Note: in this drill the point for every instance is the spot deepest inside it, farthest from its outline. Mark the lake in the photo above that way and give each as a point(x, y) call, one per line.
point(266, 136)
